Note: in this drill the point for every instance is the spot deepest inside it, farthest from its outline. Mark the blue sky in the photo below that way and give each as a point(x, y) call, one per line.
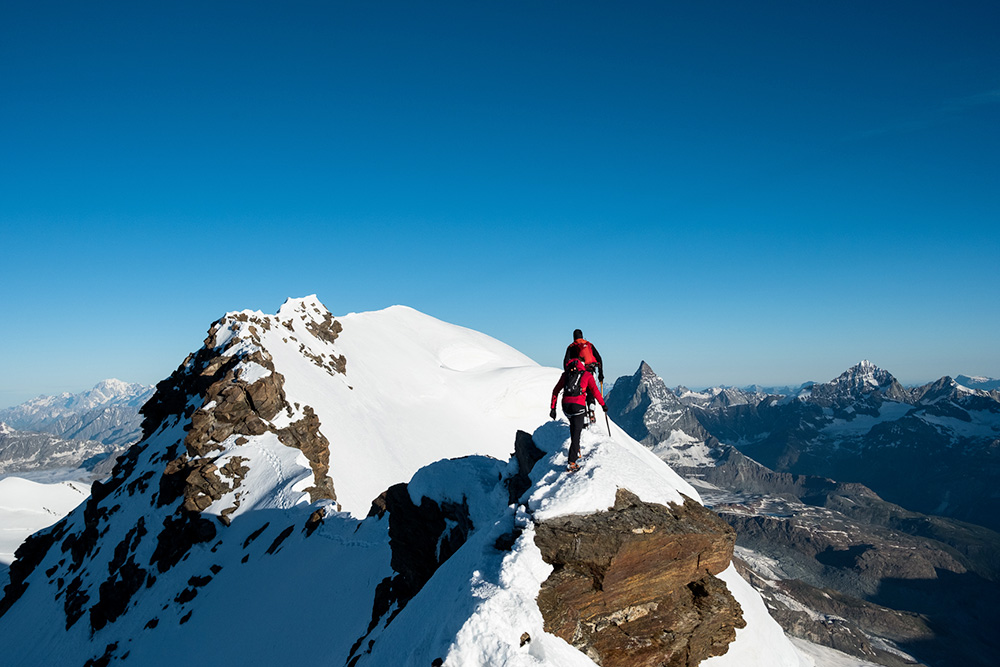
point(735, 192)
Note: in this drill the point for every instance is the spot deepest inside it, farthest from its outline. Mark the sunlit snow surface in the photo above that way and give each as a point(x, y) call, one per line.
point(416, 390)
point(27, 507)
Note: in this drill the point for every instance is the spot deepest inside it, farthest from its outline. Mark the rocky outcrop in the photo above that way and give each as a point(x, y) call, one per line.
point(634, 585)
point(421, 537)
point(231, 406)
point(215, 403)
point(527, 454)
point(304, 435)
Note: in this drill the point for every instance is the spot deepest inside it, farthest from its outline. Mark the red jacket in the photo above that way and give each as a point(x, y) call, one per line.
point(587, 384)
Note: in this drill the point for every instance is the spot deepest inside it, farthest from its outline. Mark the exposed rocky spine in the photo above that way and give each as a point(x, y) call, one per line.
point(232, 408)
point(216, 402)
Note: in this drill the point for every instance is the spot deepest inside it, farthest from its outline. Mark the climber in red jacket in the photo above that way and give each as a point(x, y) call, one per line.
point(584, 350)
point(576, 384)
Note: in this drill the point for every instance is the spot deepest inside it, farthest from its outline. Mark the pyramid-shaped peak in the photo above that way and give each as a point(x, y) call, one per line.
point(645, 371)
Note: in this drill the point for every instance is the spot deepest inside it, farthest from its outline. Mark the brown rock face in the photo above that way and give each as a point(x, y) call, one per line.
point(305, 436)
point(232, 406)
point(634, 586)
point(421, 537)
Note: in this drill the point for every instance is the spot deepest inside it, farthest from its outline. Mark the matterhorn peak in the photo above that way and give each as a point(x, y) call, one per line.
point(645, 371)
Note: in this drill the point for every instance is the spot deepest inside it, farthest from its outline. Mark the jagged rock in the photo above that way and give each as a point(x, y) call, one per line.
point(180, 532)
point(421, 537)
point(305, 436)
point(116, 593)
point(527, 454)
point(635, 585)
point(231, 406)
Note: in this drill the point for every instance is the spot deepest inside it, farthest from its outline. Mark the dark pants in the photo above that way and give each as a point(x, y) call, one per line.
point(577, 416)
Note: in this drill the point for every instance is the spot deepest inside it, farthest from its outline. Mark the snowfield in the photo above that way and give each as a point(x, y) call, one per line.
point(27, 507)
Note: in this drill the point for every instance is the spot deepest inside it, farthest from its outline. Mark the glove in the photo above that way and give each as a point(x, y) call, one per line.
point(605, 407)
point(552, 413)
point(600, 376)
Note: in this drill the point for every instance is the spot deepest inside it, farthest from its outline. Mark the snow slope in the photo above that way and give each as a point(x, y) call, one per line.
point(264, 590)
point(416, 390)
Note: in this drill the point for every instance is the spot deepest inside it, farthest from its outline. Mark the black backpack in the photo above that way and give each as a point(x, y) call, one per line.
point(574, 384)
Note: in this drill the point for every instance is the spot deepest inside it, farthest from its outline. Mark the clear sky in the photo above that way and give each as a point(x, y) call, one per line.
point(736, 192)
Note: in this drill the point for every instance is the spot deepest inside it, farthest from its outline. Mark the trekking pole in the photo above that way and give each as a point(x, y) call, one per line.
point(606, 421)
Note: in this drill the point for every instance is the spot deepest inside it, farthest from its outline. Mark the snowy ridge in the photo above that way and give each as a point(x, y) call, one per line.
point(504, 587)
point(221, 517)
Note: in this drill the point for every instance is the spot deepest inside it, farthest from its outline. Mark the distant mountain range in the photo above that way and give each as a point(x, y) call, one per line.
point(984, 383)
point(26, 452)
point(838, 564)
point(108, 413)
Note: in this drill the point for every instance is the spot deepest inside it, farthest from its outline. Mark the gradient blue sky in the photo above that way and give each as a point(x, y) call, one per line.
point(735, 192)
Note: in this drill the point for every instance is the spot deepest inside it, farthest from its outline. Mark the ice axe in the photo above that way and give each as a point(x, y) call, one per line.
point(606, 421)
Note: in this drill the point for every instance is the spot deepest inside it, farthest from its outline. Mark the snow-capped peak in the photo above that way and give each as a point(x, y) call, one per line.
point(863, 374)
point(307, 306)
point(978, 382)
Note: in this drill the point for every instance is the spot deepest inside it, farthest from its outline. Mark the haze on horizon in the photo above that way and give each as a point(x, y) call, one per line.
point(734, 193)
